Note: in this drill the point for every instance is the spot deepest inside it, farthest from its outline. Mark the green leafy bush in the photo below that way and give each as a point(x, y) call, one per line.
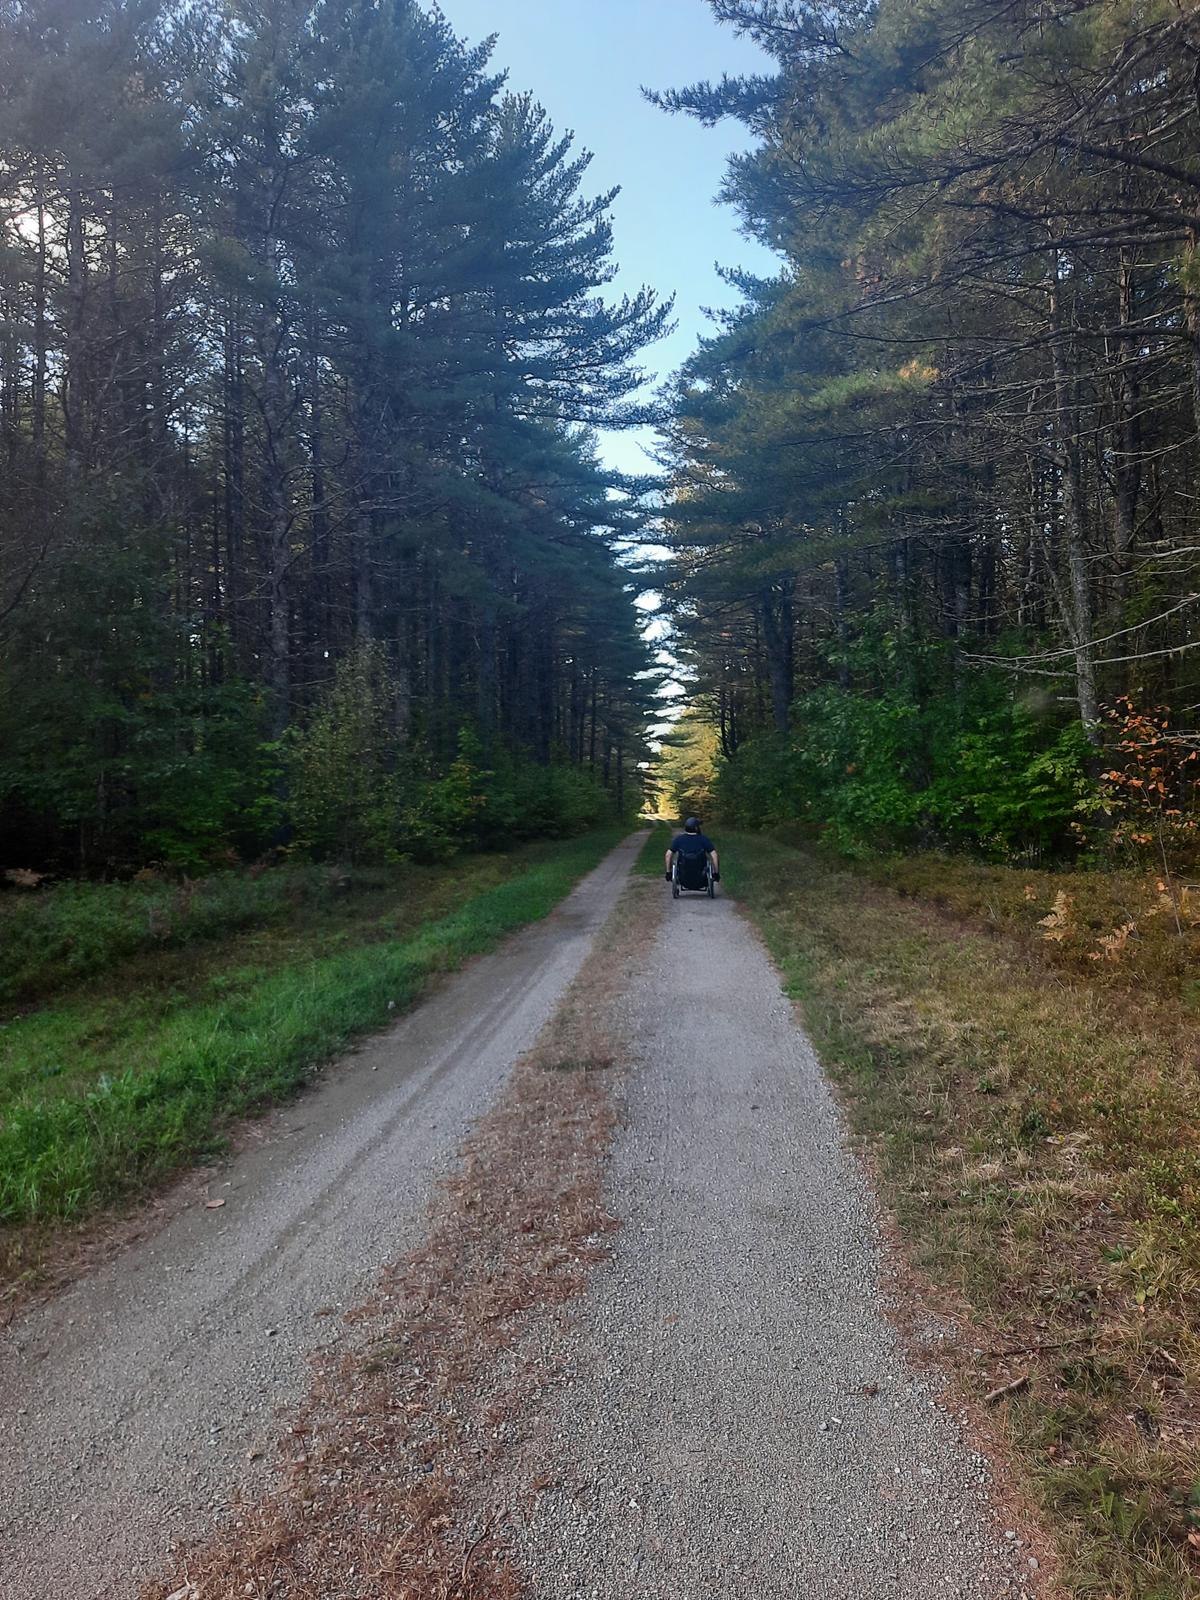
point(358, 794)
point(481, 804)
point(1012, 785)
point(176, 776)
point(916, 763)
point(534, 802)
point(114, 758)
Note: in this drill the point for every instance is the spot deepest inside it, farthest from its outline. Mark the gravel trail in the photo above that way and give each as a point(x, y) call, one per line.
point(140, 1402)
point(738, 1417)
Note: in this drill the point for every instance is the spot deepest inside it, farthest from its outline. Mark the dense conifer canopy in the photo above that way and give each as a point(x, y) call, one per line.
point(305, 327)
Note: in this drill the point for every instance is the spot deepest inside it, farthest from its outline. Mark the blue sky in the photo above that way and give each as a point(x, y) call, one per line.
point(585, 61)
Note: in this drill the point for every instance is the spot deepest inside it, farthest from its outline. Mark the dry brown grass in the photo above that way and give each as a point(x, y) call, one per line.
point(385, 1474)
point(1136, 928)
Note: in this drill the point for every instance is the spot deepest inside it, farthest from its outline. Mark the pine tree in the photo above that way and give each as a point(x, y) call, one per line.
point(305, 328)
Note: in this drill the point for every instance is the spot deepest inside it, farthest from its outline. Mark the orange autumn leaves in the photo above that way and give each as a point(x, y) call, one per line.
point(1153, 786)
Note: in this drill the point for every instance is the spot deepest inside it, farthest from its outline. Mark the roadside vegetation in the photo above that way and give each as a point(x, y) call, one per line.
point(65, 935)
point(113, 1085)
point(932, 517)
point(1027, 1083)
point(55, 934)
point(650, 862)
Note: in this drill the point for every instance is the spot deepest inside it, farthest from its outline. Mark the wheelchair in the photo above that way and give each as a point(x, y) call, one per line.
point(693, 875)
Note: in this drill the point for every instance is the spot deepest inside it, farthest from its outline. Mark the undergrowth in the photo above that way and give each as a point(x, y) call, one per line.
point(55, 938)
point(1132, 930)
point(1037, 1130)
point(101, 1098)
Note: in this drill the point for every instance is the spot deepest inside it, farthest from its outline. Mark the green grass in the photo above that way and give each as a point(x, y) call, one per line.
point(102, 1096)
point(650, 861)
point(59, 937)
point(1035, 1122)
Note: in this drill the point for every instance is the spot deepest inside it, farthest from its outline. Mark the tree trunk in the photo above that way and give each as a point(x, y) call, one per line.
point(898, 554)
point(322, 575)
point(1191, 312)
point(39, 343)
point(841, 611)
point(1079, 616)
point(364, 578)
point(776, 626)
point(233, 498)
point(1127, 468)
point(74, 380)
point(485, 637)
point(278, 529)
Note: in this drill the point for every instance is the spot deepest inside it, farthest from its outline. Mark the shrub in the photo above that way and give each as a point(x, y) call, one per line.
point(358, 795)
point(488, 805)
point(182, 772)
point(961, 765)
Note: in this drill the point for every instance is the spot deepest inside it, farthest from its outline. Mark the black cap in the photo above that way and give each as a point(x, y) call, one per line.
point(692, 825)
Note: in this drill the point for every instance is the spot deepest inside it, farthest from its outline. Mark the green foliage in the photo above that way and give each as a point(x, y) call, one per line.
point(359, 795)
point(442, 814)
point(114, 755)
point(918, 424)
point(962, 765)
point(174, 776)
point(58, 936)
point(342, 387)
point(345, 787)
point(481, 804)
point(1012, 784)
point(687, 767)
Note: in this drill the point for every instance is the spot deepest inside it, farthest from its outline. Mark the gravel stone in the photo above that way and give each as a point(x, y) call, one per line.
point(742, 1419)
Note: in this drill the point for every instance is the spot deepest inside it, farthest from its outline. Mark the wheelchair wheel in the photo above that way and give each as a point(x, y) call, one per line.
point(712, 888)
point(674, 888)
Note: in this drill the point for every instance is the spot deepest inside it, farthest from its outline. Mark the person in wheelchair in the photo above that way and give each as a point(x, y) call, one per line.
point(692, 861)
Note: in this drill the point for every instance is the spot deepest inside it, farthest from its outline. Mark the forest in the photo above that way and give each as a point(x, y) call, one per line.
point(314, 578)
point(305, 333)
point(306, 542)
point(933, 513)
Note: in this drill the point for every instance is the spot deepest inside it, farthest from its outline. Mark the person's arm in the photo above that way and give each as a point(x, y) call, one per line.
point(716, 864)
point(669, 861)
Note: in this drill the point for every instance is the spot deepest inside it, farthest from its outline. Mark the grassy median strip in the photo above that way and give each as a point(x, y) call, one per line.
point(650, 860)
point(100, 1098)
point(1037, 1130)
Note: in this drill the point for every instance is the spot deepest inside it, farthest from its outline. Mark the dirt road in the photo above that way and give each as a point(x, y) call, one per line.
point(133, 1405)
point(739, 1418)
